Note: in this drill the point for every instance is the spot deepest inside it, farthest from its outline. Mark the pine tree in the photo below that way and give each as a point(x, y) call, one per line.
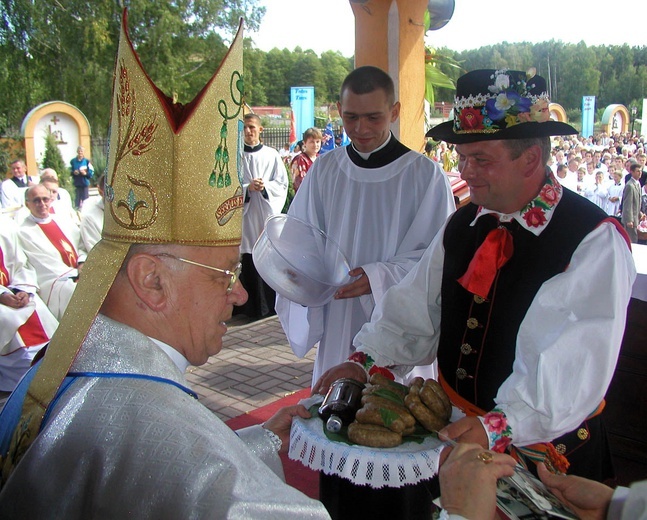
point(54, 159)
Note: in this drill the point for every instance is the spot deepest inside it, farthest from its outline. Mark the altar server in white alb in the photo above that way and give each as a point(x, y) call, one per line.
point(380, 201)
point(26, 324)
point(124, 436)
point(265, 187)
point(53, 248)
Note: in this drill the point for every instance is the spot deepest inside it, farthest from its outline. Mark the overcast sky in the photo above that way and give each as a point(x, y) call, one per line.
point(329, 24)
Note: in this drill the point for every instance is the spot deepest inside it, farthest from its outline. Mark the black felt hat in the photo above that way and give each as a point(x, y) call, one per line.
point(499, 104)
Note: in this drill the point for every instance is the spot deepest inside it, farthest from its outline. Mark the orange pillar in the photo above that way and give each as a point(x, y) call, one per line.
point(390, 34)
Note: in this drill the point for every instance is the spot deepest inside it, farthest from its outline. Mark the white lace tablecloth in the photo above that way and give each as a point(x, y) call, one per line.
point(409, 463)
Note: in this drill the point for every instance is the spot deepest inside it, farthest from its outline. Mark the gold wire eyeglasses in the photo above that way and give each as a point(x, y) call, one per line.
point(233, 275)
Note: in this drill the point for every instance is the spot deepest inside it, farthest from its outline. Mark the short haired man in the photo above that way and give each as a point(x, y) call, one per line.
point(53, 248)
point(631, 202)
point(265, 188)
point(12, 190)
point(515, 296)
point(125, 437)
point(380, 201)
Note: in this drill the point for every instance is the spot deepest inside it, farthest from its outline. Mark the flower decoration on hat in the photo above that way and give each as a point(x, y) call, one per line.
point(508, 102)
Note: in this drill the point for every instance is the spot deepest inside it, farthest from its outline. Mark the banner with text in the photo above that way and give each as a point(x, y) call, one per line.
point(588, 115)
point(302, 100)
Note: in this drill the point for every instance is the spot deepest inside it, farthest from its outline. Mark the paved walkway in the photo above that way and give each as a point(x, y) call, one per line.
point(255, 367)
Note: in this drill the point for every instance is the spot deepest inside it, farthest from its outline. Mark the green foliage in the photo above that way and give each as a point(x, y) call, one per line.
point(65, 50)
point(53, 159)
point(99, 162)
point(613, 74)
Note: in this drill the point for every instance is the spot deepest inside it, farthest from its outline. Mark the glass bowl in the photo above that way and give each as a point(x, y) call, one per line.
point(299, 261)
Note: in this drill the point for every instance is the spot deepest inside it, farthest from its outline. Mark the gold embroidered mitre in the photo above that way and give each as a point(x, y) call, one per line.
point(174, 176)
point(174, 172)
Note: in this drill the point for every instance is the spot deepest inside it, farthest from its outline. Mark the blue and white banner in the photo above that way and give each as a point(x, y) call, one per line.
point(328, 141)
point(588, 115)
point(302, 100)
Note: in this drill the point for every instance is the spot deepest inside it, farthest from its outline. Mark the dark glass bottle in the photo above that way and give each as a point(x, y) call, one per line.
point(342, 401)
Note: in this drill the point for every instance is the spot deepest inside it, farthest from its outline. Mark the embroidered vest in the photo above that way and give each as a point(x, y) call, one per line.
point(478, 337)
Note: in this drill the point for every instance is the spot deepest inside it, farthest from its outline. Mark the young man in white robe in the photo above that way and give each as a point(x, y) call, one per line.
point(380, 201)
point(265, 188)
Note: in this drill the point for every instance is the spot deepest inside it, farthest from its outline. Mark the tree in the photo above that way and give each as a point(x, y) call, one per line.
point(53, 159)
point(335, 69)
point(66, 50)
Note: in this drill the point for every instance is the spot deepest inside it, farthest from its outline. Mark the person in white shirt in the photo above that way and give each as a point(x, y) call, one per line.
point(514, 297)
point(12, 190)
point(61, 205)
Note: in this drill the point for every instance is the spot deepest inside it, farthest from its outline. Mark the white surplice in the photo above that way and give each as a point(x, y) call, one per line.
point(383, 219)
point(266, 164)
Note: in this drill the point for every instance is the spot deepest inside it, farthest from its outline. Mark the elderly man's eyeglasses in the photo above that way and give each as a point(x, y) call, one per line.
point(233, 275)
point(38, 200)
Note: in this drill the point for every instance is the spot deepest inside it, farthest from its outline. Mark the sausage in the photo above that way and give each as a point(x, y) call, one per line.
point(373, 435)
point(424, 415)
point(381, 380)
point(400, 409)
point(387, 392)
point(372, 413)
point(435, 398)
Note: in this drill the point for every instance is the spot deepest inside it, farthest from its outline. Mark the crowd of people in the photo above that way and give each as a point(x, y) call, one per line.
point(496, 293)
point(598, 168)
point(45, 241)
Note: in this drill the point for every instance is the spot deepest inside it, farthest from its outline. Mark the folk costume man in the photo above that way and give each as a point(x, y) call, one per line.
point(515, 296)
point(265, 188)
point(380, 201)
point(124, 436)
point(53, 248)
point(26, 324)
